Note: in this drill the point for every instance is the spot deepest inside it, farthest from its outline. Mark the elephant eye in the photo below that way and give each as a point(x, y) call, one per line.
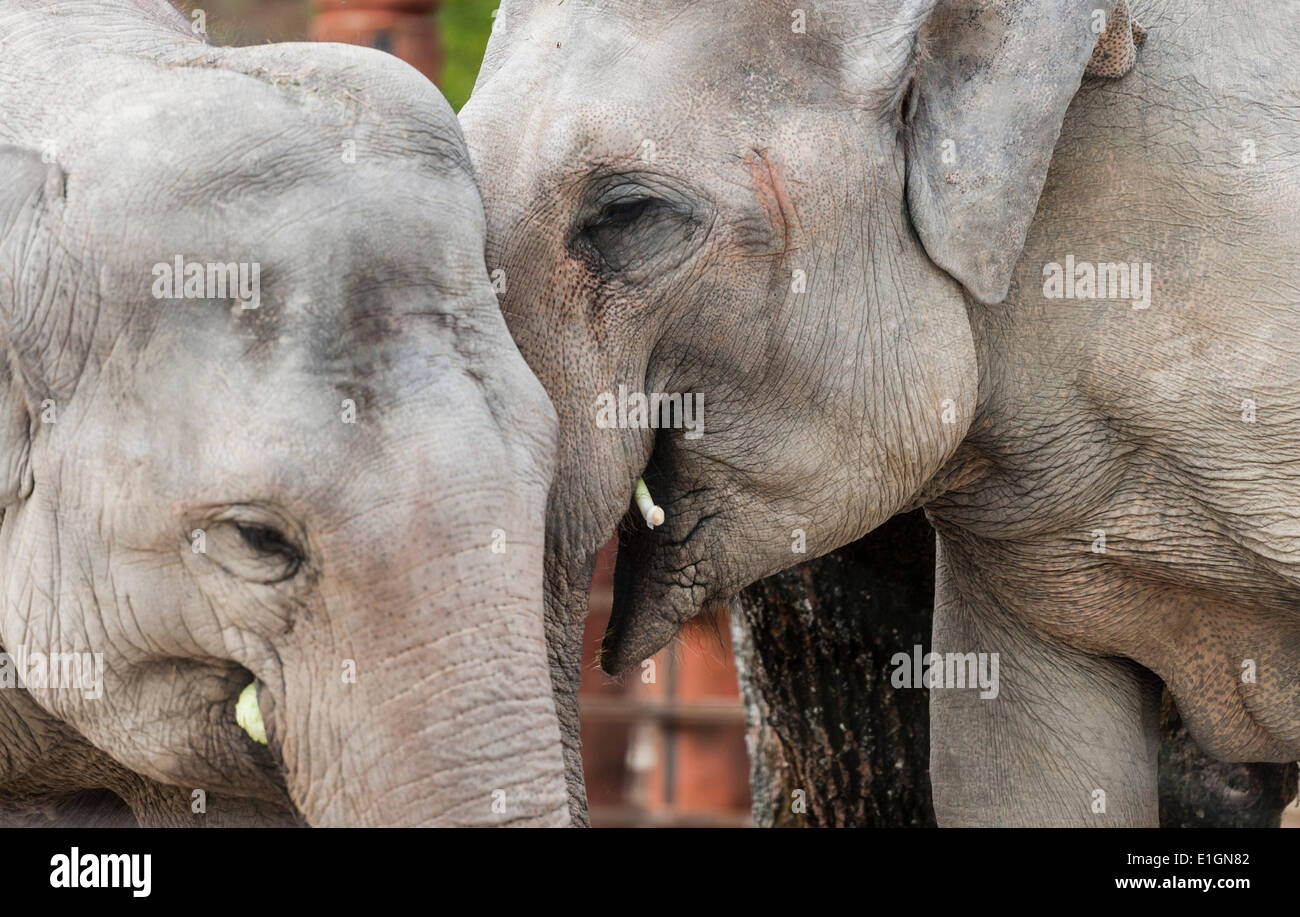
point(639, 228)
point(268, 541)
point(621, 214)
point(608, 234)
point(259, 552)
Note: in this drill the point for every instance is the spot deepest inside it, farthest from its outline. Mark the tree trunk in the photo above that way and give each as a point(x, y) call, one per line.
point(833, 743)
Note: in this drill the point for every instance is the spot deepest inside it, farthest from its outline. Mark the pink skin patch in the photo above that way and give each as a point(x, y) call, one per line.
point(772, 193)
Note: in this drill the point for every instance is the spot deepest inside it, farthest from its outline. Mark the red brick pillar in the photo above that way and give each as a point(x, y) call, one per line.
point(406, 28)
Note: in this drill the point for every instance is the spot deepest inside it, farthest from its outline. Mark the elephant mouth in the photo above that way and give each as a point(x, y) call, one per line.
point(662, 578)
point(631, 636)
point(266, 754)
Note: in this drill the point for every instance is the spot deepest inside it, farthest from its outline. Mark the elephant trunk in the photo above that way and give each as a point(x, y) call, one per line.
point(457, 729)
point(567, 598)
point(422, 695)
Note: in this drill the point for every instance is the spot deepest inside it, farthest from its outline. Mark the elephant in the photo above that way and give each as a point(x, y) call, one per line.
point(312, 479)
point(1021, 263)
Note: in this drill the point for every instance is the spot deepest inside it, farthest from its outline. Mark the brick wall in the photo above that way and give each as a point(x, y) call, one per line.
point(665, 743)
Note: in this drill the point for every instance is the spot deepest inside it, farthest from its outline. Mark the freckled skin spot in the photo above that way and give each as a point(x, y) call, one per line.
point(1116, 50)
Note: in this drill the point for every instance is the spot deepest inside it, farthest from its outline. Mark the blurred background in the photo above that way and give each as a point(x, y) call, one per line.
point(444, 40)
point(661, 746)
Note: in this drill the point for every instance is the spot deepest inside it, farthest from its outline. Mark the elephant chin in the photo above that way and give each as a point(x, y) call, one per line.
point(631, 638)
point(651, 604)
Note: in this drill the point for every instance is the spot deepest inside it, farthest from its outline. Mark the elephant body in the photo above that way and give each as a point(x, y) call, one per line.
point(1134, 467)
point(850, 228)
point(321, 474)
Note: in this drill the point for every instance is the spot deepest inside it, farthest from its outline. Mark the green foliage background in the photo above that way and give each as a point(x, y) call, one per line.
point(466, 25)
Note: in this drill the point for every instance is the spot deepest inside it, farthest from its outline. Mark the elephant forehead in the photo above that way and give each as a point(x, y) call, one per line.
point(204, 123)
point(610, 28)
point(709, 56)
point(684, 90)
point(310, 246)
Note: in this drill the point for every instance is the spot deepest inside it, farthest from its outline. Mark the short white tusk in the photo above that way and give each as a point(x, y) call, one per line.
point(249, 715)
point(652, 514)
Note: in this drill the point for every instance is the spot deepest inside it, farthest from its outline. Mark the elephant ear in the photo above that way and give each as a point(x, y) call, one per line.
point(991, 86)
point(29, 186)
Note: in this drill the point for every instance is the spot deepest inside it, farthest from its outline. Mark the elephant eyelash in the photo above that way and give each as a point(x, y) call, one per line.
point(266, 540)
point(599, 239)
point(621, 213)
point(907, 102)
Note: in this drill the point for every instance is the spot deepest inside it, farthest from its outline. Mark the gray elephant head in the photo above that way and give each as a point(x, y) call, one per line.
point(786, 214)
point(334, 486)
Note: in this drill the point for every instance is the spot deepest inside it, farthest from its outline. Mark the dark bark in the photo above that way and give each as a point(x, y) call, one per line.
point(813, 648)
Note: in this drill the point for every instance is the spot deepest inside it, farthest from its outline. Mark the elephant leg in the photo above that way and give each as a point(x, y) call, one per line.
point(1069, 739)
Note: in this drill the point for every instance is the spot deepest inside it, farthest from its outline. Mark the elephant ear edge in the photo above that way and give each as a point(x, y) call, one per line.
point(28, 186)
point(991, 87)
